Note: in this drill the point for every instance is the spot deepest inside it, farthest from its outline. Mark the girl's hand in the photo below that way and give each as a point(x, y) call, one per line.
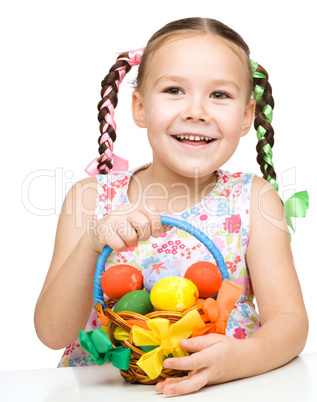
point(125, 227)
point(216, 359)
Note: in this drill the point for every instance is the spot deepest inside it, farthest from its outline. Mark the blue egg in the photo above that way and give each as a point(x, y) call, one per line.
point(155, 272)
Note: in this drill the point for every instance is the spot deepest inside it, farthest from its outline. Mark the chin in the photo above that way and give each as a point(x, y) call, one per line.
point(195, 171)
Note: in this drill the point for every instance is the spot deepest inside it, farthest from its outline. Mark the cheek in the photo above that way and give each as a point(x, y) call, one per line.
point(232, 123)
point(159, 118)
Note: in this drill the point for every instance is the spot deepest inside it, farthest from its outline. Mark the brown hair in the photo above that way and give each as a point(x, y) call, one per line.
point(185, 28)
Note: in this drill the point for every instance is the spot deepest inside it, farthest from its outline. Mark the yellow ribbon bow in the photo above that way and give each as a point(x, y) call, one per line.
point(166, 336)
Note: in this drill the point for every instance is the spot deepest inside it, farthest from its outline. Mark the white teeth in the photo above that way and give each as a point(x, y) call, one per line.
point(193, 137)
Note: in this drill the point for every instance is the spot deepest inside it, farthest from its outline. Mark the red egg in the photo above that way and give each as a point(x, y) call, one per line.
point(206, 276)
point(120, 280)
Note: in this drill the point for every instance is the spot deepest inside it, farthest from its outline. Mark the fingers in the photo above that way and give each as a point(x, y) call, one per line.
point(192, 362)
point(142, 227)
point(166, 228)
point(154, 220)
point(205, 348)
point(126, 233)
point(159, 387)
point(115, 233)
point(200, 342)
point(183, 385)
point(218, 361)
point(127, 225)
point(147, 222)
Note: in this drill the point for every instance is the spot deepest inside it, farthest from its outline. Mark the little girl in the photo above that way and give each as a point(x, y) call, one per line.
point(197, 93)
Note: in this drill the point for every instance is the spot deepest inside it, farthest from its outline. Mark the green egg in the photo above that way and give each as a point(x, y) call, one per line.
point(137, 301)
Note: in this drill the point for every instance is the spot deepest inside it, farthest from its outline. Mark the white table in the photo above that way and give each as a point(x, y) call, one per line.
point(295, 382)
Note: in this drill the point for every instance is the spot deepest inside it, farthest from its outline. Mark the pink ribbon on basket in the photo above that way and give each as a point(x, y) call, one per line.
point(118, 163)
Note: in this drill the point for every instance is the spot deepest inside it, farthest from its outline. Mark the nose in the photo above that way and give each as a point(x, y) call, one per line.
point(195, 110)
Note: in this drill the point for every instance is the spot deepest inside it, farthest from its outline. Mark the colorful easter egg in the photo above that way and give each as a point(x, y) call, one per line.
point(120, 280)
point(137, 301)
point(174, 293)
point(156, 272)
point(206, 276)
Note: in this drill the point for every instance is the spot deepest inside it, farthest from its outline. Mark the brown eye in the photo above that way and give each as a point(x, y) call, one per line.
point(174, 91)
point(219, 95)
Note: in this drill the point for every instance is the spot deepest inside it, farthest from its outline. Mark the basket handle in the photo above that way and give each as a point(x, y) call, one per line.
point(166, 220)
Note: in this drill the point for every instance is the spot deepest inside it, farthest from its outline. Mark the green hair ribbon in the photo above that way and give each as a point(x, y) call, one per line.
point(296, 206)
point(298, 203)
point(268, 113)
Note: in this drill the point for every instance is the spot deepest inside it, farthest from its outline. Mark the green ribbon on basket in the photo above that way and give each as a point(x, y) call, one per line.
point(101, 350)
point(296, 206)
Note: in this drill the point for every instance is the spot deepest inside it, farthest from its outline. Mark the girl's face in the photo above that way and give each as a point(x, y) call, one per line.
point(194, 103)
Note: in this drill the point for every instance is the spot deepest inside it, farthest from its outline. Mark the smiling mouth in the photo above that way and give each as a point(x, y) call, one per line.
point(193, 139)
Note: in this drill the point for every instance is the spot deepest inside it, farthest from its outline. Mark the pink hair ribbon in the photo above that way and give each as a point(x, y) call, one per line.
point(135, 57)
point(118, 163)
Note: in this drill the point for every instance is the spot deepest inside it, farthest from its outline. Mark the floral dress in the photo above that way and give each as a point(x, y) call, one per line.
point(223, 215)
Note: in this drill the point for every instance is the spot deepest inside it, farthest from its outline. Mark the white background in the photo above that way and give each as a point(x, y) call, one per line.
point(54, 55)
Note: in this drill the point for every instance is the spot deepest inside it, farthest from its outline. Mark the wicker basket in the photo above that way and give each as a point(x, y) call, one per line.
point(135, 374)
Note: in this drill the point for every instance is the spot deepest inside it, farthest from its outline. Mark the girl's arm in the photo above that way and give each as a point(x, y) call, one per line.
point(65, 302)
point(284, 320)
point(278, 294)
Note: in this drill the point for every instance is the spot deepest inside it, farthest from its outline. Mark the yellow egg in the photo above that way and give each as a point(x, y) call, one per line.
point(174, 294)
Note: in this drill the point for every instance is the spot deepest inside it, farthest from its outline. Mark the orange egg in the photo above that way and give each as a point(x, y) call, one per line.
point(206, 276)
point(120, 280)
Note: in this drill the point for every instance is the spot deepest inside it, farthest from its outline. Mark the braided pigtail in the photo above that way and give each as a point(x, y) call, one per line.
point(109, 93)
point(298, 203)
point(109, 101)
point(262, 122)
